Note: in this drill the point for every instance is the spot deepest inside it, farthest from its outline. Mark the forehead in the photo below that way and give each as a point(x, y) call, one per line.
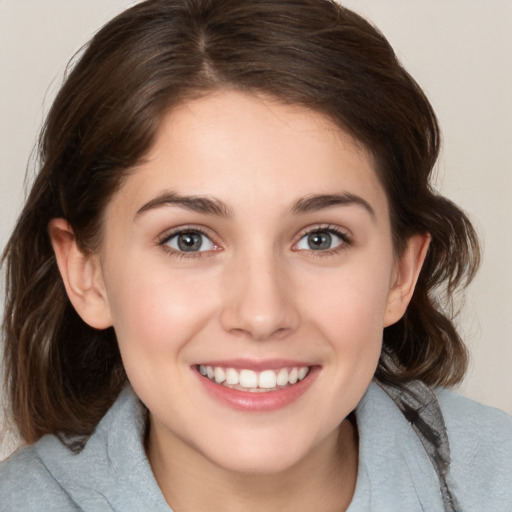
point(246, 149)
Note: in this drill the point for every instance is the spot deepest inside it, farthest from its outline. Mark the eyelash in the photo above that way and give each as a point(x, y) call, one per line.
point(184, 254)
point(327, 228)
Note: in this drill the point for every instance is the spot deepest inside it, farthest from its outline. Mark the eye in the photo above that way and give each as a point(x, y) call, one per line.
point(189, 241)
point(321, 240)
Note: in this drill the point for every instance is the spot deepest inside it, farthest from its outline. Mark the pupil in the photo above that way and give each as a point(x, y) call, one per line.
point(189, 242)
point(319, 241)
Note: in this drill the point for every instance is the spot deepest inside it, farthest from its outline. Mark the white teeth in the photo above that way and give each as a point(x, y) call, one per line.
point(282, 377)
point(248, 379)
point(303, 372)
point(219, 375)
point(253, 381)
point(232, 377)
point(267, 379)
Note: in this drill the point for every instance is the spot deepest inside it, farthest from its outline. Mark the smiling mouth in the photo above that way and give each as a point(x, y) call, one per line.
point(254, 381)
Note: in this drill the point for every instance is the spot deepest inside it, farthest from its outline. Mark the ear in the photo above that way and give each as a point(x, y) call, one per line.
point(82, 276)
point(405, 277)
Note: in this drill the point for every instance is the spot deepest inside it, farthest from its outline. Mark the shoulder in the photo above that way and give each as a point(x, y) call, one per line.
point(25, 483)
point(476, 430)
point(481, 452)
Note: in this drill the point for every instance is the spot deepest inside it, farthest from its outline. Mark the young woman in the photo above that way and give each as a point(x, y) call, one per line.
point(224, 291)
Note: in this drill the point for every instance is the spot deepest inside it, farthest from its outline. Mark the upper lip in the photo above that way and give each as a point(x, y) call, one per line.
point(257, 364)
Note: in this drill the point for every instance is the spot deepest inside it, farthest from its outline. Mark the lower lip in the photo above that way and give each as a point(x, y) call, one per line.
point(260, 401)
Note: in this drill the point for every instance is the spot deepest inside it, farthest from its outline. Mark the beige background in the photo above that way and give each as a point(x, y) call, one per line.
point(458, 50)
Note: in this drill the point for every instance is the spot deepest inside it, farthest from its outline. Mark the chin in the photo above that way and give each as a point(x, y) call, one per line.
point(258, 463)
point(260, 453)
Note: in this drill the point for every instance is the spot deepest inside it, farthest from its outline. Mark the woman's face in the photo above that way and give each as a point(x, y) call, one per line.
point(253, 245)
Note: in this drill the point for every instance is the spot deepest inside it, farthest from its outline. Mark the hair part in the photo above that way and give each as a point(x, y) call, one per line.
point(63, 375)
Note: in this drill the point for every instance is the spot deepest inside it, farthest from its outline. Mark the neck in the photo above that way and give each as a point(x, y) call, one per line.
point(323, 481)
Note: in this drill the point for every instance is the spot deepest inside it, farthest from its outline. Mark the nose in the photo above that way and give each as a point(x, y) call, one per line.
point(259, 300)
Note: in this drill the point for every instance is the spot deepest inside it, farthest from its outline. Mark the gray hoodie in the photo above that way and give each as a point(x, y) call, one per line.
point(395, 473)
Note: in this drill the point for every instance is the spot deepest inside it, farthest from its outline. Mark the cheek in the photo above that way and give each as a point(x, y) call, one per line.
point(349, 317)
point(352, 302)
point(348, 311)
point(157, 311)
point(155, 314)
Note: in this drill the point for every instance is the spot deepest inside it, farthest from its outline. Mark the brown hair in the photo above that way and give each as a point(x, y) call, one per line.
point(62, 375)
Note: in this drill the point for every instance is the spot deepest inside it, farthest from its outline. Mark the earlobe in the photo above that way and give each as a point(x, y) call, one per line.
point(406, 276)
point(81, 274)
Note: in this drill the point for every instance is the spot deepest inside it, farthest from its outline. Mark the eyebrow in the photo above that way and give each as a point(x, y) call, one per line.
point(323, 201)
point(211, 206)
point(200, 204)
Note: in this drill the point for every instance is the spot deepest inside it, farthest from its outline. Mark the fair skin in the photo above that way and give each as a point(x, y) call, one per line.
point(254, 239)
